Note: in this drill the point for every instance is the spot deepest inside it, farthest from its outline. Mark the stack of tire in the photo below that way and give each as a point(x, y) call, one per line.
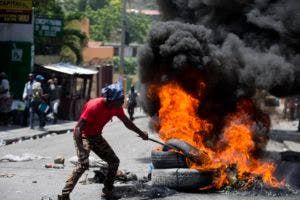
point(171, 170)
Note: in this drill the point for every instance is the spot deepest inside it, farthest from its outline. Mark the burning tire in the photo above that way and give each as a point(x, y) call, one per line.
point(181, 179)
point(167, 159)
point(188, 150)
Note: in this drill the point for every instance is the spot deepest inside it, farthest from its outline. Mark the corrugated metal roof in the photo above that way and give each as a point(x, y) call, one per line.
point(69, 69)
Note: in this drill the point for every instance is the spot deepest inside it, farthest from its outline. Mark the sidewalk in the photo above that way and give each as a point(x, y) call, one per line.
point(13, 133)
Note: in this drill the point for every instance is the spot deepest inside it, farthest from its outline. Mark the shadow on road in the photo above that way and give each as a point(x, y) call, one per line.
point(143, 191)
point(144, 160)
point(280, 135)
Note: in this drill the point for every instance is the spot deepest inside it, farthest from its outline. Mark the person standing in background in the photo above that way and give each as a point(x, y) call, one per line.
point(132, 102)
point(54, 95)
point(37, 97)
point(5, 99)
point(27, 98)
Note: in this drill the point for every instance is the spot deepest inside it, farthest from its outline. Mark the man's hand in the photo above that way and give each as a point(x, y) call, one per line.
point(144, 135)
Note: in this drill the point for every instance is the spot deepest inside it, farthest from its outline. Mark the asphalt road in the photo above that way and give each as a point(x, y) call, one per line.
point(32, 181)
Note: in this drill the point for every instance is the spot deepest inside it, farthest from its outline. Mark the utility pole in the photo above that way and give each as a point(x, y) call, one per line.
point(123, 35)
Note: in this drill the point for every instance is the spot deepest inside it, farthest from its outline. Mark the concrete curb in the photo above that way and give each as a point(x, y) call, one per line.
point(35, 136)
point(12, 135)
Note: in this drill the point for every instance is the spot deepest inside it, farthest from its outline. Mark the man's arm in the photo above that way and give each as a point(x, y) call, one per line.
point(25, 92)
point(77, 132)
point(131, 126)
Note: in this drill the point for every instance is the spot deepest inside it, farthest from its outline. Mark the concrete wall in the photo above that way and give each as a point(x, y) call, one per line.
point(46, 59)
point(101, 53)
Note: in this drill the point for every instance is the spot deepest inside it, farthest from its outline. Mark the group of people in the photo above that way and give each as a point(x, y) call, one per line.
point(40, 99)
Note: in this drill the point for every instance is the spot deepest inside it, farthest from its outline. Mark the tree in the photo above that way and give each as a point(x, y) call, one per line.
point(138, 26)
point(73, 43)
point(130, 64)
point(81, 5)
point(70, 46)
point(106, 23)
point(49, 9)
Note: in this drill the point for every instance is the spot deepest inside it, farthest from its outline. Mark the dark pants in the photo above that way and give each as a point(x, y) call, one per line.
point(35, 110)
point(25, 116)
point(101, 148)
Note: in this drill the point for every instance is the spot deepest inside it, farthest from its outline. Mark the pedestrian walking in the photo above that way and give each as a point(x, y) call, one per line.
point(5, 99)
point(27, 98)
point(88, 136)
point(132, 102)
point(38, 105)
point(54, 95)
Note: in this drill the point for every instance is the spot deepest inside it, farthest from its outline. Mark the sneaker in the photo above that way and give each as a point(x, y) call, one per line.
point(110, 196)
point(63, 197)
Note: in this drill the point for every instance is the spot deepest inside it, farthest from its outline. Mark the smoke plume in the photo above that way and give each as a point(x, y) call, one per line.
point(235, 46)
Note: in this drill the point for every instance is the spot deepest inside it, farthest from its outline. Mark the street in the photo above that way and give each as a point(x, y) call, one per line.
point(30, 180)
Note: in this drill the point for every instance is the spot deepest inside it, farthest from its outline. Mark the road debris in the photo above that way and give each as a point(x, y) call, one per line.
point(59, 160)
point(47, 198)
point(122, 176)
point(93, 162)
point(55, 166)
point(22, 158)
point(6, 175)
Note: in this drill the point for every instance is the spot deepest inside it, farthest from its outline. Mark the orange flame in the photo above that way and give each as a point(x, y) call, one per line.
point(179, 120)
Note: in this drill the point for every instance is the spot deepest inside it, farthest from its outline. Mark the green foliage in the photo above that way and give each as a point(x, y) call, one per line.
point(81, 5)
point(74, 15)
point(138, 26)
point(73, 25)
point(67, 55)
point(105, 18)
point(49, 9)
point(70, 5)
point(105, 21)
point(130, 64)
point(71, 45)
point(74, 41)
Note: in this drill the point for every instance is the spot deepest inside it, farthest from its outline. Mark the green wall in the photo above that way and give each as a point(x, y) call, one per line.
point(15, 66)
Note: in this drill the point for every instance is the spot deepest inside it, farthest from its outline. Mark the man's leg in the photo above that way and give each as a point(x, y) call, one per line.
point(25, 116)
point(83, 164)
point(42, 119)
point(31, 116)
point(100, 146)
point(55, 110)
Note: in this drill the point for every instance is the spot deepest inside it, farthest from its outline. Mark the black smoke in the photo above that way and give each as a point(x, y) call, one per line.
point(235, 46)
